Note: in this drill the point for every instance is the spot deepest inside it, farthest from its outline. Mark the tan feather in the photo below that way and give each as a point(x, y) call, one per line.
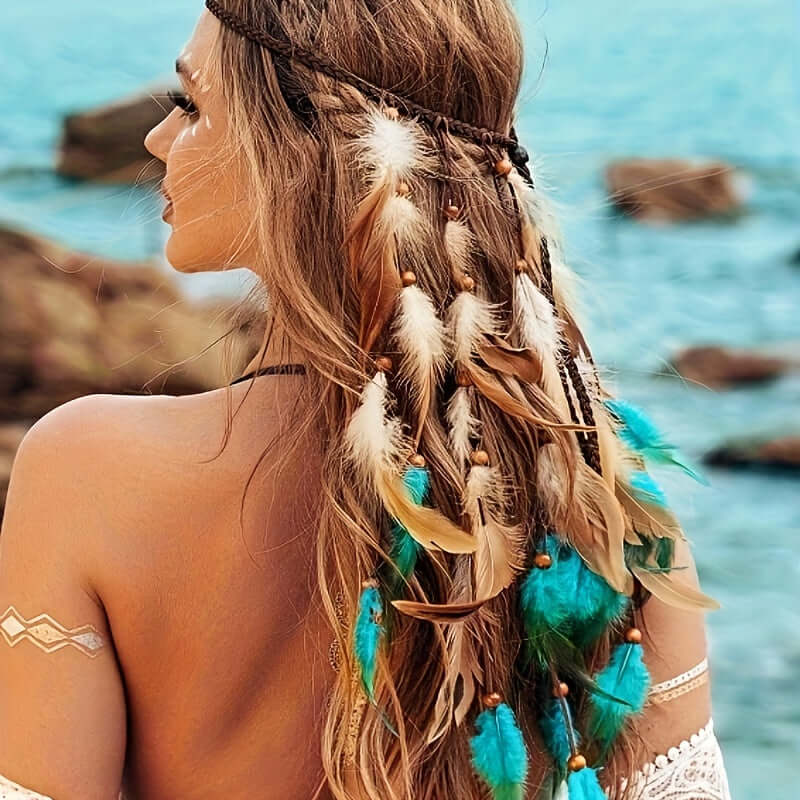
point(648, 518)
point(500, 551)
point(673, 592)
point(438, 612)
point(427, 526)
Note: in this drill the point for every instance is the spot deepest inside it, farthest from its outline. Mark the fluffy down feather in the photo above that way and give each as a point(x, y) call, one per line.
point(498, 753)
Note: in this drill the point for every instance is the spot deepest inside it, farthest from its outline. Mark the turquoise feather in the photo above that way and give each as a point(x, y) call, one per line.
point(567, 598)
point(554, 733)
point(583, 785)
point(499, 755)
point(367, 636)
point(405, 549)
point(640, 433)
point(625, 677)
point(646, 489)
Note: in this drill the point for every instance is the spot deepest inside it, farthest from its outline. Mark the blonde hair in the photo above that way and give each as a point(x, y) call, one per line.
point(299, 137)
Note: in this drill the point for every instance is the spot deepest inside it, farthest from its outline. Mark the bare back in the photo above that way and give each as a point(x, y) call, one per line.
point(221, 642)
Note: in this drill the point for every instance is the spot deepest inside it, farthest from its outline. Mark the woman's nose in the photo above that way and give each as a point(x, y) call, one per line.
point(158, 140)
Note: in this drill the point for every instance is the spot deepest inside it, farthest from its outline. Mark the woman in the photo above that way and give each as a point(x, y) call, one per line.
point(449, 573)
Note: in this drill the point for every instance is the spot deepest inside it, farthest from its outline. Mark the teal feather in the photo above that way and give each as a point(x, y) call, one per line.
point(554, 733)
point(583, 785)
point(646, 489)
point(405, 549)
point(367, 636)
point(567, 598)
point(640, 433)
point(499, 755)
point(626, 678)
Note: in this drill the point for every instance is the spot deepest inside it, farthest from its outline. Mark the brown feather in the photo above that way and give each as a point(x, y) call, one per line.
point(521, 362)
point(673, 592)
point(372, 254)
point(438, 612)
point(491, 389)
point(648, 518)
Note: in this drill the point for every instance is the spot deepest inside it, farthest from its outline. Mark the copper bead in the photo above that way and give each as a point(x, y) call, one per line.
point(521, 265)
point(463, 378)
point(467, 284)
point(560, 690)
point(417, 460)
point(408, 278)
point(403, 189)
point(633, 635)
point(576, 762)
point(503, 167)
point(543, 561)
point(480, 458)
point(383, 363)
point(452, 211)
point(492, 700)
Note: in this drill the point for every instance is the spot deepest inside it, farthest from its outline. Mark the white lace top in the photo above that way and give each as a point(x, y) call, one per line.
point(693, 770)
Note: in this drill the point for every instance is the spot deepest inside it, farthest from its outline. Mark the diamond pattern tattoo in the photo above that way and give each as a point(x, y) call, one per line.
point(47, 634)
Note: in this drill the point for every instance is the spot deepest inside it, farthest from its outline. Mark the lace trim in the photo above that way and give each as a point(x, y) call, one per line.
point(684, 677)
point(694, 770)
point(13, 791)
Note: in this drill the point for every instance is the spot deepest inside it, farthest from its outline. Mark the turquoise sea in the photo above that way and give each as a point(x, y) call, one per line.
point(689, 78)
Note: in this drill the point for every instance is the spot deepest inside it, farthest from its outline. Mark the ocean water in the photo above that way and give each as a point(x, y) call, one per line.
point(689, 78)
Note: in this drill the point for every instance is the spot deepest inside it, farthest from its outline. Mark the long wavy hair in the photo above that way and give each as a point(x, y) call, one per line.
point(293, 130)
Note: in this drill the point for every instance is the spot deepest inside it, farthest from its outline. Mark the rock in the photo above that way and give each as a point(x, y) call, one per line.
point(779, 454)
point(719, 367)
point(672, 190)
point(11, 434)
point(107, 143)
point(73, 324)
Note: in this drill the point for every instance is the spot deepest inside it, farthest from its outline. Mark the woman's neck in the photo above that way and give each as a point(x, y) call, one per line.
point(276, 348)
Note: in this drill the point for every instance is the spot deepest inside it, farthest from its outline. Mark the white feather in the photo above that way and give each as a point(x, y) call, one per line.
point(538, 325)
point(420, 334)
point(391, 145)
point(460, 244)
point(562, 793)
point(374, 441)
point(467, 319)
point(462, 424)
point(401, 216)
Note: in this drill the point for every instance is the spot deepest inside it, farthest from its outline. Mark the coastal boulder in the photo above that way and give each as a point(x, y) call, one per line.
point(672, 190)
point(107, 143)
point(780, 454)
point(73, 324)
point(720, 367)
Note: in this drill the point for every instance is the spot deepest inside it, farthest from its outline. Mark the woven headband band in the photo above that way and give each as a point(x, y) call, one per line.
point(482, 136)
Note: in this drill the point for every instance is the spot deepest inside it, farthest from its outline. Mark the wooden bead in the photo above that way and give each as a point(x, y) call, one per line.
point(408, 278)
point(452, 211)
point(463, 378)
point(576, 762)
point(561, 690)
point(633, 635)
point(543, 561)
point(480, 458)
point(383, 363)
point(521, 266)
point(467, 284)
point(503, 167)
point(417, 460)
point(403, 189)
point(492, 700)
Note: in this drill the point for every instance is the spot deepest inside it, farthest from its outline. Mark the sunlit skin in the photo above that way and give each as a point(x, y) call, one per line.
point(209, 208)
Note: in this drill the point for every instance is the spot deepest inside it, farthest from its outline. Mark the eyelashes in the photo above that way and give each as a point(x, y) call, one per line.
point(182, 101)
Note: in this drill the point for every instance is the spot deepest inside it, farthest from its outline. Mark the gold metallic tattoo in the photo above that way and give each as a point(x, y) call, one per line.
point(47, 634)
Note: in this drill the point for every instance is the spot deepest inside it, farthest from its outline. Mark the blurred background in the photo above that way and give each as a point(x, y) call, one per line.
point(668, 136)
